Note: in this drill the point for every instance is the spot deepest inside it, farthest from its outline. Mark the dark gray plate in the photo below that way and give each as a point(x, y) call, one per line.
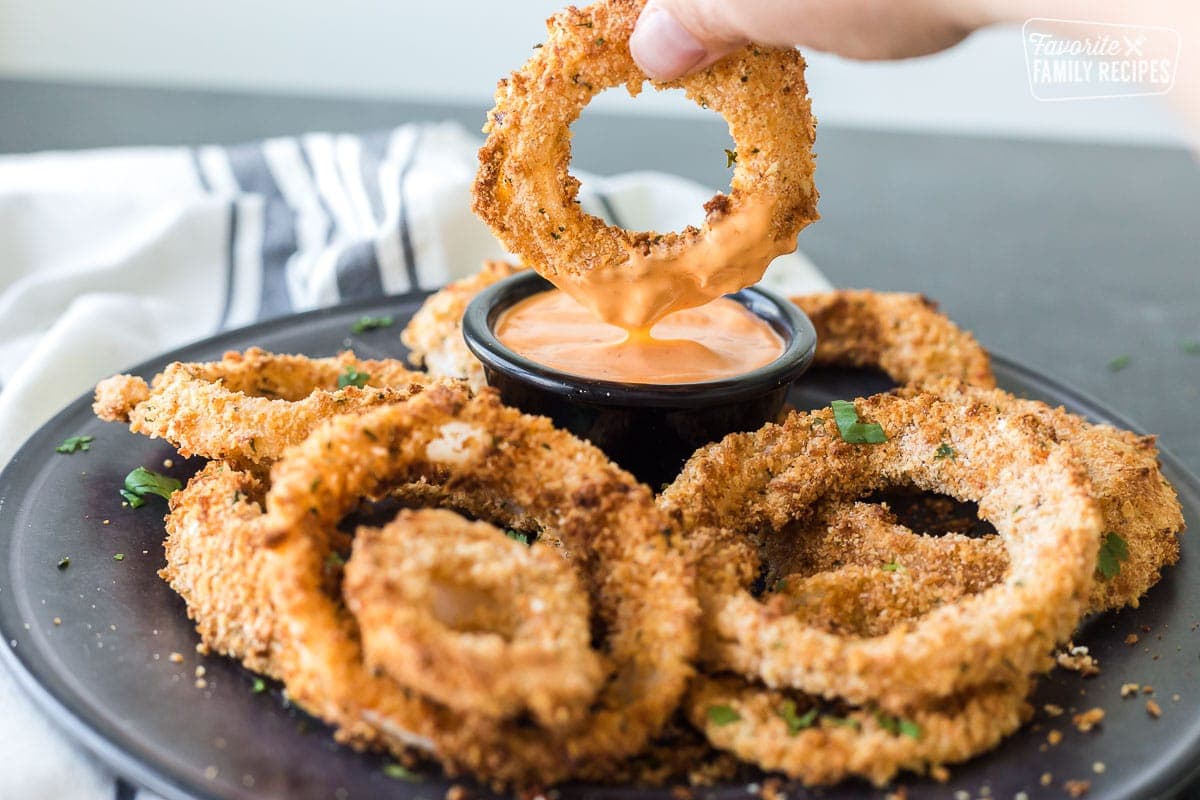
point(106, 676)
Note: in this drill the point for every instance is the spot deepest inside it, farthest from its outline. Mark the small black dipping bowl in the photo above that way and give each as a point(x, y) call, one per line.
point(649, 429)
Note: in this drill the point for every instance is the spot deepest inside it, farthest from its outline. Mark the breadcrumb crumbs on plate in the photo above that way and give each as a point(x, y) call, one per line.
point(1088, 720)
point(1153, 709)
point(175, 658)
point(1129, 689)
point(1099, 767)
point(939, 773)
point(457, 792)
point(1046, 779)
point(1077, 788)
point(1131, 639)
point(1054, 737)
point(1147, 689)
point(1052, 710)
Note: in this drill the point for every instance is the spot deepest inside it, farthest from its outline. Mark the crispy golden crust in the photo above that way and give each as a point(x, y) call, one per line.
point(472, 619)
point(525, 192)
point(856, 742)
point(1135, 500)
point(248, 407)
point(902, 334)
point(434, 334)
point(1028, 485)
point(640, 589)
point(215, 562)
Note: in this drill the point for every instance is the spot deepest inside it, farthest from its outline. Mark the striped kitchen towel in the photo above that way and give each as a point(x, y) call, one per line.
point(109, 257)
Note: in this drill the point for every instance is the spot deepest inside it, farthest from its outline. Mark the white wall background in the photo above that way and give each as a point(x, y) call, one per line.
point(456, 49)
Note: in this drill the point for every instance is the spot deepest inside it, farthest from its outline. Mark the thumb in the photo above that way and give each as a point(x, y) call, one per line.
point(673, 39)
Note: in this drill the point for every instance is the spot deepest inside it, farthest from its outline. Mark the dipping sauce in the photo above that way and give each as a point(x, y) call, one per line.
point(721, 339)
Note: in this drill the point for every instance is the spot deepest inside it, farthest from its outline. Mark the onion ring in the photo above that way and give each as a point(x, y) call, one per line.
point(470, 618)
point(434, 334)
point(857, 742)
point(249, 407)
point(1136, 501)
point(1027, 484)
point(640, 589)
point(524, 192)
point(902, 334)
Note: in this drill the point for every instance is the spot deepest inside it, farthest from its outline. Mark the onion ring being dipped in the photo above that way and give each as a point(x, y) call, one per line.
point(249, 407)
point(525, 193)
point(434, 334)
point(1028, 485)
point(467, 616)
point(641, 591)
point(902, 334)
point(1136, 502)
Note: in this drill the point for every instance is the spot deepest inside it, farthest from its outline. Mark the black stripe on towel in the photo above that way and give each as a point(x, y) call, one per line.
point(374, 152)
point(230, 265)
point(124, 790)
point(279, 226)
point(358, 271)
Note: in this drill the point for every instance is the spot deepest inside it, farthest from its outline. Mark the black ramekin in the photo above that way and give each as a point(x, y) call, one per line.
point(649, 429)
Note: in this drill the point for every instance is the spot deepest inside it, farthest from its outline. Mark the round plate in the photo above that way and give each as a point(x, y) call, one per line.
point(109, 674)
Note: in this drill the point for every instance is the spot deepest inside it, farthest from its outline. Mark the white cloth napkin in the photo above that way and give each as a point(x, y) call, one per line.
point(109, 257)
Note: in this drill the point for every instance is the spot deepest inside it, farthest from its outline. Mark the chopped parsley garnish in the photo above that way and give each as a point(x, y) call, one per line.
point(852, 429)
point(1113, 551)
point(844, 722)
point(517, 536)
point(945, 451)
point(722, 715)
point(898, 726)
point(1119, 363)
point(64, 562)
point(366, 323)
point(352, 377)
point(892, 566)
point(259, 686)
point(1190, 346)
point(142, 482)
point(75, 444)
point(796, 722)
point(335, 559)
point(730, 158)
point(118, 556)
point(400, 772)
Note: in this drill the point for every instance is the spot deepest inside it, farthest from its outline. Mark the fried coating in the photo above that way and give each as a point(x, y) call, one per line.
point(641, 591)
point(215, 563)
point(1135, 500)
point(525, 193)
point(249, 407)
point(434, 334)
point(477, 621)
point(773, 729)
point(1027, 484)
point(902, 334)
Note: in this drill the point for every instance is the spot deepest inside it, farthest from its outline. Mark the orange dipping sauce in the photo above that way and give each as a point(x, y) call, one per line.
point(721, 339)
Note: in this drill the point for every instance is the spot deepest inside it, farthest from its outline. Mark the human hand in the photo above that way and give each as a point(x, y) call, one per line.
point(675, 37)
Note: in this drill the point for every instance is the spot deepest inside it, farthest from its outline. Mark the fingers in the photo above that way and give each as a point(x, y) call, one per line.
point(675, 37)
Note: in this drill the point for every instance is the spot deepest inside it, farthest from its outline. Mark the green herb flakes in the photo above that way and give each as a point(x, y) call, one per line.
point(796, 722)
point(64, 562)
point(75, 444)
point(141, 482)
point(723, 715)
point(118, 556)
point(1113, 551)
point(852, 429)
point(259, 686)
point(365, 323)
point(945, 451)
point(730, 158)
point(1190, 346)
point(1119, 363)
point(400, 772)
point(352, 377)
point(893, 566)
point(517, 536)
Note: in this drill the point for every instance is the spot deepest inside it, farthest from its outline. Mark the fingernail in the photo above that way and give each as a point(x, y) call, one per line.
point(662, 47)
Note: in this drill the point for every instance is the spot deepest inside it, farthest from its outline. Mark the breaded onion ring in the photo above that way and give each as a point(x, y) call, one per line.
point(525, 193)
point(641, 592)
point(762, 726)
point(248, 407)
point(463, 614)
point(902, 334)
point(434, 334)
point(1136, 501)
point(1029, 486)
